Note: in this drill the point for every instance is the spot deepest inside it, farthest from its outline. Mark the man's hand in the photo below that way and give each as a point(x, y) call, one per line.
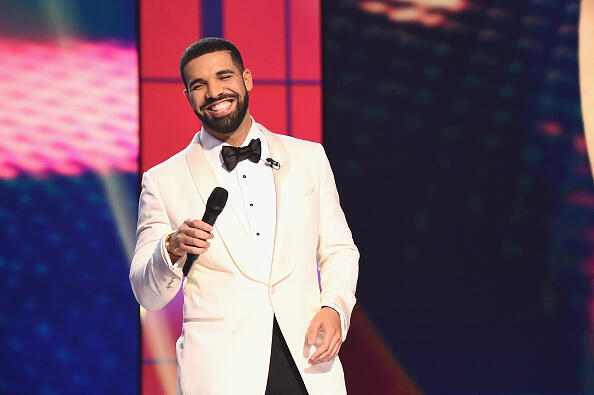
point(326, 320)
point(190, 238)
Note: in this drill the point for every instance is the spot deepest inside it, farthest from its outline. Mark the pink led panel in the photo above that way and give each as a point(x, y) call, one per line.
point(67, 107)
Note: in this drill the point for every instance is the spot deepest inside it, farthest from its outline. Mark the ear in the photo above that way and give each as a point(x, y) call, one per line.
point(247, 79)
point(187, 95)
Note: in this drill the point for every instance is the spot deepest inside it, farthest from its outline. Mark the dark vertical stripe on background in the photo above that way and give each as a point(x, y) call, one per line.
point(212, 18)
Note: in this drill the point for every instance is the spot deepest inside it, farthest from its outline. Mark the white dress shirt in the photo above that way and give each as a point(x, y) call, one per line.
point(252, 194)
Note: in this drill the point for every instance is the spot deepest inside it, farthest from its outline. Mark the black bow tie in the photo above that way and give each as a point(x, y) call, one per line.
point(233, 155)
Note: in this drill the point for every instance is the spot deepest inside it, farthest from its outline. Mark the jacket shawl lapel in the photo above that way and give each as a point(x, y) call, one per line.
point(287, 210)
point(228, 226)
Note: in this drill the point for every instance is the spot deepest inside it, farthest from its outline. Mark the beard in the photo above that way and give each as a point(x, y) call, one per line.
point(229, 123)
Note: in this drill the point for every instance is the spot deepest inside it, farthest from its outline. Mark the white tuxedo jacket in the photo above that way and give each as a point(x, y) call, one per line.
point(224, 347)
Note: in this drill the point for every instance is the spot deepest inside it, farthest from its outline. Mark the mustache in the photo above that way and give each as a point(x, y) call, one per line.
point(209, 102)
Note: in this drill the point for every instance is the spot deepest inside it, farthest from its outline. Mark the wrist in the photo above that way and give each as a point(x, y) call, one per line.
point(172, 256)
point(331, 308)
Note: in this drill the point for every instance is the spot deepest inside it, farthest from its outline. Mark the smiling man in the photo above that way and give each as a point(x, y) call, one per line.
point(256, 319)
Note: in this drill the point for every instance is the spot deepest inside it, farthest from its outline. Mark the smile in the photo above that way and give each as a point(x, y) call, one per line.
point(220, 108)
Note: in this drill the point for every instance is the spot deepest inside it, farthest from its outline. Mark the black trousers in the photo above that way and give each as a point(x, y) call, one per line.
point(283, 375)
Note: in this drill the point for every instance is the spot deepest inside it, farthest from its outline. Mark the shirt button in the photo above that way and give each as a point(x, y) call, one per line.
point(251, 204)
point(244, 176)
point(257, 234)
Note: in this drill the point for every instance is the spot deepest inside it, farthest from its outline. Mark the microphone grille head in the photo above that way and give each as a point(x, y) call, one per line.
point(217, 199)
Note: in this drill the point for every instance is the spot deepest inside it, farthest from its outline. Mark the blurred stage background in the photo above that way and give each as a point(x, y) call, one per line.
point(455, 134)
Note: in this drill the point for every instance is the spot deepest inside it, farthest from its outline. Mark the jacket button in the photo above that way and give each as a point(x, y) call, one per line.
point(271, 290)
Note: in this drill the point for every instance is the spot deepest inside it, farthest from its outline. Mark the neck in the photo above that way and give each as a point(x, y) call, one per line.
point(236, 137)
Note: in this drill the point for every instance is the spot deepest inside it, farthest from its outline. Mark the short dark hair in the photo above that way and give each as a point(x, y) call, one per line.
point(209, 45)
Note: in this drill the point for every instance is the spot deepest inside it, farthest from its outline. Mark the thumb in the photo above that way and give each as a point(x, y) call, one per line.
point(312, 332)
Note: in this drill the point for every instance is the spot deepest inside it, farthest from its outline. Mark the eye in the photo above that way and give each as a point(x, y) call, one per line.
point(197, 86)
point(225, 76)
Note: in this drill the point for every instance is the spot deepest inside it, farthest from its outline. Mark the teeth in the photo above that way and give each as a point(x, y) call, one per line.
point(221, 106)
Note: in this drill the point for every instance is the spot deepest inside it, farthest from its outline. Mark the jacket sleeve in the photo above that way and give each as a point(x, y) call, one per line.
point(337, 254)
point(154, 280)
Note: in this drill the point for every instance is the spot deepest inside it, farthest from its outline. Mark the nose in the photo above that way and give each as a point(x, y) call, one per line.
point(215, 89)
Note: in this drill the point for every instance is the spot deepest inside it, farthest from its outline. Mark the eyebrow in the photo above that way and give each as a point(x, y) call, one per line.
point(195, 81)
point(227, 71)
point(219, 73)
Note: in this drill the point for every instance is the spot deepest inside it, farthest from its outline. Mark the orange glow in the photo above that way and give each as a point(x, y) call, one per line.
point(431, 13)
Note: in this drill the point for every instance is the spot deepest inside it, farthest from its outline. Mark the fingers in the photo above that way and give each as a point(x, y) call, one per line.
point(336, 349)
point(192, 245)
point(331, 352)
point(328, 349)
point(320, 350)
point(198, 224)
point(191, 238)
point(312, 331)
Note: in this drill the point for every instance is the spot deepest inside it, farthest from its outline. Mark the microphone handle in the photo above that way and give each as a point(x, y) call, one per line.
point(209, 217)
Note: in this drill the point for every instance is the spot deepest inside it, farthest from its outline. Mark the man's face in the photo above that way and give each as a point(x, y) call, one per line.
point(218, 91)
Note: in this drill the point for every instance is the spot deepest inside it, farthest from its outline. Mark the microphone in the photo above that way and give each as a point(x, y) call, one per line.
point(272, 163)
point(214, 205)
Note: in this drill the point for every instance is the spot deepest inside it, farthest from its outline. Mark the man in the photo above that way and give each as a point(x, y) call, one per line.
point(255, 319)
